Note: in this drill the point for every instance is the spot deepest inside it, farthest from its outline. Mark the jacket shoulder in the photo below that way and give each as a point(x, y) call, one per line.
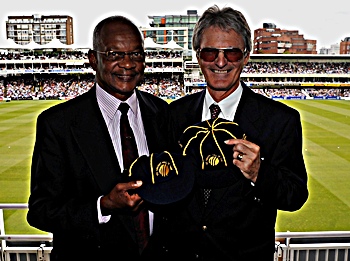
point(186, 100)
point(75, 106)
point(151, 99)
point(273, 105)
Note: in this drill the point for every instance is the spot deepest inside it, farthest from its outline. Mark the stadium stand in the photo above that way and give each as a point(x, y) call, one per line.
point(169, 74)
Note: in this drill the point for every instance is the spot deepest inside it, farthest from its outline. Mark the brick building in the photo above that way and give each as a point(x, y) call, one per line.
point(345, 46)
point(273, 40)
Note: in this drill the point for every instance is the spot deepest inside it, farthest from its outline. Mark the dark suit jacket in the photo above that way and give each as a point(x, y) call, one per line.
point(239, 220)
point(74, 163)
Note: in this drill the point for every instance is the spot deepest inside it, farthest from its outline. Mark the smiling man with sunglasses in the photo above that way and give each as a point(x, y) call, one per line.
point(234, 220)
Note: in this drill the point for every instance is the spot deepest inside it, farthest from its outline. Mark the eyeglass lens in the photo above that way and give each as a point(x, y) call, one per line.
point(119, 56)
point(231, 54)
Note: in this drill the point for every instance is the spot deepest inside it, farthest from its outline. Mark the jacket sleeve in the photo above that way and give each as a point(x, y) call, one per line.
point(57, 201)
point(282, 179)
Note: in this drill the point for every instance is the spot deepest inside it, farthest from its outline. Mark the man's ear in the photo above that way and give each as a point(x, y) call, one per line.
point(92, 59)
point(198, 58)
point(246, 58)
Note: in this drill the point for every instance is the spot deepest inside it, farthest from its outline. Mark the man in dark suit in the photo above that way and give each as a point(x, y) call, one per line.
point(78, 188)
point(267, 171)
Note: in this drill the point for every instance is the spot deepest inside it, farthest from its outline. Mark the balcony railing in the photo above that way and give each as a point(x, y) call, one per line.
point(290, 246)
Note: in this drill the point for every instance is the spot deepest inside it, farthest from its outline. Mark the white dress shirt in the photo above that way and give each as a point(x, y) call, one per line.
point(228, 105)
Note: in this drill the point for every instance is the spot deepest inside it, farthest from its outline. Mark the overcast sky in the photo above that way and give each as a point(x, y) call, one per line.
point(327, 22)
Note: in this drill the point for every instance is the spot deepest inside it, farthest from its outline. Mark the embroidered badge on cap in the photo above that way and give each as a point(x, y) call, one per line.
point(205, 141)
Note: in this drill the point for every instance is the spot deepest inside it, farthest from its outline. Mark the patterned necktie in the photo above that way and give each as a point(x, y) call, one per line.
point(214, 112)
point(130, 153)
point(129, 147)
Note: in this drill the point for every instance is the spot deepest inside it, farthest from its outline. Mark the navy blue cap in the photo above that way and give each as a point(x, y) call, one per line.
point(167, 177)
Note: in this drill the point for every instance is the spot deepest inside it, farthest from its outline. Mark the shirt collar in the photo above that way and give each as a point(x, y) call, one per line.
point(110, 104)
point(228, 105)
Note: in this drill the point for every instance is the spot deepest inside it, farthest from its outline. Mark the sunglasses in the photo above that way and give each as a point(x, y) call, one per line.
point(208, 54)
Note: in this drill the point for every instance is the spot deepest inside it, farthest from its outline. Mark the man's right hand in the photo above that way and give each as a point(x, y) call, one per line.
point(119, 198)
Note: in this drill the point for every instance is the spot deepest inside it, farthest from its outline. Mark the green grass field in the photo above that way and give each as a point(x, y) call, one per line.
point(326, 127)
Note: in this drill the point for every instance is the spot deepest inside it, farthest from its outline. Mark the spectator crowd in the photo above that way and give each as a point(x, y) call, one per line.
point(67, 87)
point(169, 85)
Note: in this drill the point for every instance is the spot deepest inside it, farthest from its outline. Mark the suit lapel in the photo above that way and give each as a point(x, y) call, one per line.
point(149, 120)
point(98, 151)
point(248, 113)
point(151, 123)
point(197, 108)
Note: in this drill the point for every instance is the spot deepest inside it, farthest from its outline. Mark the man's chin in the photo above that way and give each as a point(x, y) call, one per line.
point(220, 88)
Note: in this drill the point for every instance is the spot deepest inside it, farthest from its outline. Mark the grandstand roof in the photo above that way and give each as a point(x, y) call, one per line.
point(55, 43)
point(31, 46)
point(150, 44)
point(10, 44)
point(172, 45)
